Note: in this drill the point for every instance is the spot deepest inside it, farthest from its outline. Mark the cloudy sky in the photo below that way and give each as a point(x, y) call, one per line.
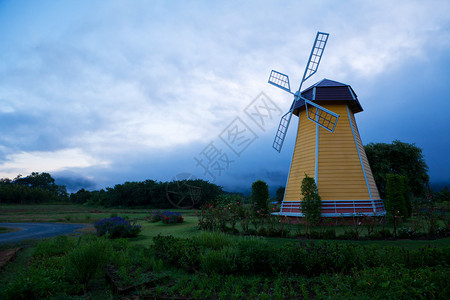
point(102, 92)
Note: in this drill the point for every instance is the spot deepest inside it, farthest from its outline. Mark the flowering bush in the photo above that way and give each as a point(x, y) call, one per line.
point(155, 216)
point(168, 217)
point(217, 217)
point(117, 227)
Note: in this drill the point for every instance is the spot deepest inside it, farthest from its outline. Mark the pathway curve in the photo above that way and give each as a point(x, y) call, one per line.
point(37, 231)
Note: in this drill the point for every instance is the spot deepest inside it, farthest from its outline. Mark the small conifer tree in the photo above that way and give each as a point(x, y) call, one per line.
point(311, 203)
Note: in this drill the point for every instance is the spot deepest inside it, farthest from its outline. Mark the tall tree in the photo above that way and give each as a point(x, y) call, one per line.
point(260, 196)
point(398, 158)
point(280, 194)
point(35, 179)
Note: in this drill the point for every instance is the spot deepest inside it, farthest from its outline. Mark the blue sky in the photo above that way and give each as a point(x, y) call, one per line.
point(102, 92)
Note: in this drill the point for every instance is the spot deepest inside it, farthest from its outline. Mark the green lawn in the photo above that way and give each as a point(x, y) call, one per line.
point(71, 213)
point(67, 213)
point(184, 230)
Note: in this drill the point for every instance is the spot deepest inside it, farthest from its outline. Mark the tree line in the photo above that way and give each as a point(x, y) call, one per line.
point(150, 193)
point(33, 189)
point(39, 188)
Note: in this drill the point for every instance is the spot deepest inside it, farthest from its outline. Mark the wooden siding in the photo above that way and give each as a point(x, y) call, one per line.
point(368, 170)
point(341, 176)
point(340, 173)
point(303, 159)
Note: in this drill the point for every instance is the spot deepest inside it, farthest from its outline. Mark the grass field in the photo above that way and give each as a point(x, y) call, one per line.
point(67, 213)
point(70, 213)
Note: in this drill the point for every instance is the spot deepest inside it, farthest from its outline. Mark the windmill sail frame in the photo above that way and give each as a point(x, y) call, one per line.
point(322, 116)
point(315, 56)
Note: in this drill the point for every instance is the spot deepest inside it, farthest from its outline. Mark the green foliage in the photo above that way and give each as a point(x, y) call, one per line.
point(221, 261)
point(182, 252)
point(37, 282)
point(280, 194)
point(221, 266)
point(260, 196)
point(442, 196)
point(398, 158)
point(45, 275)
point(397, 199)
point(88, 257)
point(54, 247)
point(212, 240)
point(33, 189)
point(387, 282)
point(149, 193)
point(256, 256)
point(217, 217)
point(311, 202)
point(133, 265)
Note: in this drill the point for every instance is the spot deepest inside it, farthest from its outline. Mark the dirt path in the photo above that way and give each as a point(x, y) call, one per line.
point(7, 255)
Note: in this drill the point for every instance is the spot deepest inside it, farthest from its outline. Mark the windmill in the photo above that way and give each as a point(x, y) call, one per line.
point(328, 150)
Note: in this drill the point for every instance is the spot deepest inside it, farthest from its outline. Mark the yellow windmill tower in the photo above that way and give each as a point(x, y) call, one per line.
point(328, 146)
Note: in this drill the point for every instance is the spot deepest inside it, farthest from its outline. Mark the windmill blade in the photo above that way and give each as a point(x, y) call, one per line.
point(281, 132)
point(321, 116)
point(315, 56)
point(280, 80)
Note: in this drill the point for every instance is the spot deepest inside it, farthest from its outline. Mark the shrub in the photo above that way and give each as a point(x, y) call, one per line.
point(212, 240)
point(166, 217)
point(222, 261)
point(169, 217)
point(255, 256)
point(407, 233)
point(87, 258)
point(155, 216)
point(382, 234)
point(117, 227)
point(176, 251)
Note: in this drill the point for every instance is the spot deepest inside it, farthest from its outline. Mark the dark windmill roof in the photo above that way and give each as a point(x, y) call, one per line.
point(329, 90)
